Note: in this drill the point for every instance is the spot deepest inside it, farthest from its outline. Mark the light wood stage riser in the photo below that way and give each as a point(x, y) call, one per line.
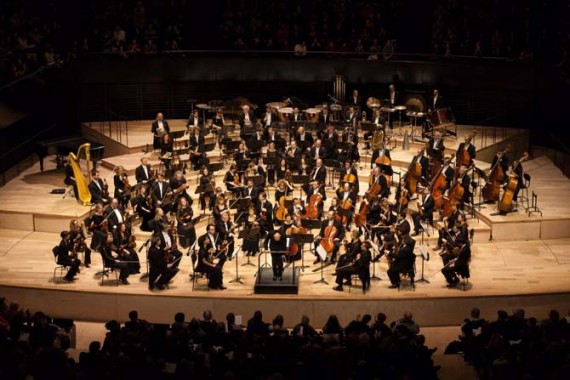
point(37, 222)
point(101, 307)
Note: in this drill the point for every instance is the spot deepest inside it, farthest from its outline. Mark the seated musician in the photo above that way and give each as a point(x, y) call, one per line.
point(166, 149)
point(445, 233)
point(179, 186)
point(185, 226)
point(379, 178)
point(448, 171)
point(258, 136)
point(402, 225)
point(277, 246)
point(206, 256)
point(232, 180)
point(168, 242)
point(347, 200)
point(350, 115)
point(161, 269)
point(377, 120)
point(194, 120)
point(379, 154)
point(459, 265)
point(120, 180)
point(272, 136)
point(78, 238)
point(325, 116)
point(207, 184)
point(436, 101)
point(225, 229)
point(115, 214)
point(144, 207)
point(334, 204)
point(330, 221)
point(70, 180)
point(316, 188)
point(297, 209)
point(359, 265)
point(274, 154)
point(98, 189)
point(350, 136)
point(255, 169)
point(330, 142)
point(269, 117)
point(95, 225)
point(247, 121)
point(293, 152)
point(351, 249)
point(465, 181)
point(318, 174)
point(373, 220)
point(303, 138)
point(450, 241)
point(242, 153)
point(344, 175)
point(220, 207)
point(435, 147)
point(296, 116)
point(251, 191)
point(143, 171)
point(403, 262)
point(123, 246)
point(317, 151)
point(159, 128)
point(264, 210)
point(424, 213)
point(66, 255)
point(284, 188)
point(467, 146)
point(197, 144)
point(109, 260)
point(160, 189)
point(402, 198)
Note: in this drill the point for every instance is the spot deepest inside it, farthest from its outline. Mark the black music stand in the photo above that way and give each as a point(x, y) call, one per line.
point(242, 165)
point(303, 145)
point(280, 144)
point(257, 180)
point(300, 180)
point(294, 163)
point(202, 189)
point(303, 239)
point(271, 160)
point(216, 166)
point(209, 147)
point(237, 278)
point(334, 165)
point(255, 145)
point(252, 233)
point(231, 146)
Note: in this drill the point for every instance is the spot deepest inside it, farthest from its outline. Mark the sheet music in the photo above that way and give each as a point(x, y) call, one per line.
point(321, 252)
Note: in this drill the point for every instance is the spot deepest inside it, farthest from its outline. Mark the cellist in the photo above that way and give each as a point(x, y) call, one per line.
point(467, 147)
point(377, 178)
point(328, 227)
point(345, 175)
point(316, 189)
point(347, 201)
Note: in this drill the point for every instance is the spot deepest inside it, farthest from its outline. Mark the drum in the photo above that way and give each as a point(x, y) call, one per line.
point(312, 114)
point(440, 117)
point(284, 113)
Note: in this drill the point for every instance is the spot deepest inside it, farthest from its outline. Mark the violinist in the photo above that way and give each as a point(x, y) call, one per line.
point(178, 185)
point(124, 246)
point(351, 249)
point(435, 148)
point(459, 265)
point(161, 271)
point(185, 227)
point(206, 256)
point(402, 225)
point(447, 228)
point(111, 261)
point(273, 154)
point(282, 170)
point(373, 218)
point(242, 153)
point(360, 265)
point(77, 236)
point(264, 209)
point(293, 156)
point(98, 189)
point(225, 229)
point(467, 146)
point(95, 226)
point(143, 206)
point(450, 242)
point(115, 214)
point(220, 208)
point(168, 242)
point(160, 190)
point(349, 174)
point(424, 213)
point(277, 247)
point(207, 183)
point(251, 241)
point(232, 180)
point(158, 221)
point(403, 262)
point(120, 180)
point(336, 238)
point(143, 171)
point(317, 151)
point(176, 165)
point(65, 255)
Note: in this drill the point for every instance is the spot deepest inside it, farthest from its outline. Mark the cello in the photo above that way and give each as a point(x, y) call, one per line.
point(512, 184)
point(414, 173)
point(312, 209)
point(492, 188)
point(327, 241)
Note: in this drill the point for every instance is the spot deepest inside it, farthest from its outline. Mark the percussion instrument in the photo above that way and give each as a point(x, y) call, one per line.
point(313, 114)
point(440, 117)
point(400, 108)
point(373, 103)
point(276, 105)
point(336, 107)
point(203, 106)
point(284, 113)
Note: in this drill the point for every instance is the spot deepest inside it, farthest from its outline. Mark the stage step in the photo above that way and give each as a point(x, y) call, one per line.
point(264, 283)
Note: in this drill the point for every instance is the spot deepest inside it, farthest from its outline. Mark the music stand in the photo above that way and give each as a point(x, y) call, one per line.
point(294, 163)
point(202, 189)
point(271, 160)
point(301, 179)
point(231, 146)
point(332, 164)
point(255, 145)
point(425, 257)
point(257, 180)
point(216, 166)
point(237, 278)
point(303, 239)
point(242, 165)
point(303, 145)
point(249, 234)
point(280, 144)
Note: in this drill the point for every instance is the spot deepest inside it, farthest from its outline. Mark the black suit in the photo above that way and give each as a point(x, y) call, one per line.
point(321, 152)
point(64, 258)
point(165, 125)
point(140, 174)
point(194, 122)
point(427, 213)
point(250, 130)
point(159, 272)
point(470, 150)
point(339, 236)
point(96, 192)
point(325, 119)
point(458, 267)
point(319, 174)
point(114, 219)
point(300, 117)
point(376, 153)
point(403, 263)
point(436, 150)
point(436, 103)
point(309, 141)
point(157, 194)
point(111, 262)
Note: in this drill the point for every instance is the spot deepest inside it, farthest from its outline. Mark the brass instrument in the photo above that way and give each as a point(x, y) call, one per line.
point(377, 138)
point(81, 180)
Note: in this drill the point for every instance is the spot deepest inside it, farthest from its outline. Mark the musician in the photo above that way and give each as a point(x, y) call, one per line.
point(207, 184)
point(185, 225)
point(293, 152)
point(158, 221)
point(251, 191)
point(120, 180)
point(379, 154)
point(250, 244)
point(142, 172)
point(272, 136)
point(325, 117)
point(466, 146)
point(314, 187)
point(459, 265)
point(349, 153)
point(448, 171)
point(347, 194)
point(168, 242)
point(501, 156)
point(426, 208)
point(376, 119)
point(242, 153)
point(225, 230)
point(465, 182)
point(269, 117)
point(115, 214)
point(297, 209)
point(232, 180)
point(98, 189)
point(160, 190)
point(272, 154)
point(66, 255)
point(194, 120)
point(330, 142)
point(282, 170)
point(296, 116)
point(351, 249)
point(403, 262)
point(360, 265)
point(159, 128)
point(220, 208)
point(166, 149)
point(345, 173)
point(78, 239)
point(436, 101)
point(70, 179)
point(198, 155)
point(317, 151)
point(402, 225)
point(143, 206)
point(436, 149)
point(350, 115)
point(211, 235)
point(354, 99)
point(264, 210)
point(402, 196)
point(330, 221)
point(319, 172)
point(218, 120)
point(373, 219)
point(206, 256)
point(247, 121)
point(379, 178)
point(277, 246)
point(283, 189)
point(303, 139)
point(178, 185)
point(124, 246)
point(95, 225)
point(254, 170)
point(112, 262)
point(518, 170)
point(161, 270)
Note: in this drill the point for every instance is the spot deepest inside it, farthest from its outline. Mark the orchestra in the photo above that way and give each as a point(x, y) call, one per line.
point(385, 220)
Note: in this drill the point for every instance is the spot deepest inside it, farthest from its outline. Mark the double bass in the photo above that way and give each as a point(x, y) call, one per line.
point(464, 159)
point(492, 188)
point(414, 173)
point(455, 194)
point(512, 184)
point(438, 185)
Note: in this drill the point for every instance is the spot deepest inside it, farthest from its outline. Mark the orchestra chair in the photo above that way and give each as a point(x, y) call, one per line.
point(196, 275)
point(464, 277)
point(365, 282)
point(409, 276)
point(107, 272)
point(62, 268)
point(523, 198)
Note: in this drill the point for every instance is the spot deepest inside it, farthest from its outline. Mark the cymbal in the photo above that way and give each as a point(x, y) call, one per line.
point(285, 110)
point(312, 111)
point(373, 102)
point(276, 105)
point(400, 108)
point(203, 106)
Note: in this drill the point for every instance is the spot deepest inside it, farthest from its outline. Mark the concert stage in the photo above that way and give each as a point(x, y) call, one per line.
point(526, 264)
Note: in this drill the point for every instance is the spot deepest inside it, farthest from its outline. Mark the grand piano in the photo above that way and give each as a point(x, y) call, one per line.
point(62, 146)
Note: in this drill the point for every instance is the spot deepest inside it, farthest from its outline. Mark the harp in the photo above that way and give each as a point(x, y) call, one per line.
point(81, 179)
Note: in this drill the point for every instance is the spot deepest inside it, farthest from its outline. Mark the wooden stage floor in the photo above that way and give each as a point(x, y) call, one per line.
point(527, 264)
